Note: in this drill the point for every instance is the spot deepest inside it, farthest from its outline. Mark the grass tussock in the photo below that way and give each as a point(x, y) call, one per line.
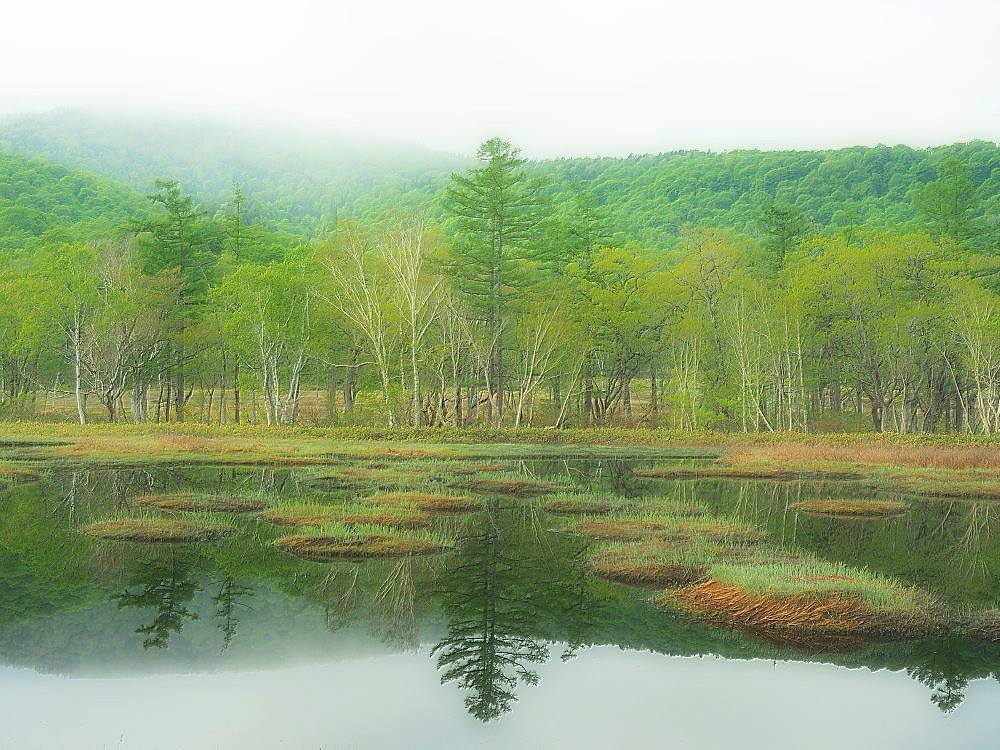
point(17, 475)
point(852, 508)
point(597, 504)
point(426, 502)
point(519, 488)
point(771, 473)
point(340, 542)
point(158, 531)
point(952, 488)
point(196, 502)
point(318, 515)
point(660, 526)
point(813, 595)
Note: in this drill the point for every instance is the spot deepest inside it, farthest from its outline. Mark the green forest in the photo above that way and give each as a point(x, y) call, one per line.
point(175, 272)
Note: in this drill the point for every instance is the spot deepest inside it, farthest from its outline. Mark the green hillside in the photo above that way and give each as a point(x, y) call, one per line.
point(39, 199)
point(299, 180)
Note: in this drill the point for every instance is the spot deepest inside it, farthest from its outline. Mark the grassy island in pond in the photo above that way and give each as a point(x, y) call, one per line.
point(193, 502)
point(341, 542)
point(813, 595)
point(158, 531)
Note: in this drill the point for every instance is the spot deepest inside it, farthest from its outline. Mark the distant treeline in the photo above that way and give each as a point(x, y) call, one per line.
point(507, 299)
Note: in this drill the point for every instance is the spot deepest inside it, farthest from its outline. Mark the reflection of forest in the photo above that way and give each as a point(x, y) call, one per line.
point(494, 610)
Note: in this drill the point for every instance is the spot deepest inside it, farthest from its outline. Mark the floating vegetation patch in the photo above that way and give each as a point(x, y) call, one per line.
point(958, 489)
point(425, 501)
point(340, 542)
point(658, 525)
point(319, 515)
point(519, 488)
point(814, 596)
point(771, 473)
point(158, 531)
point(346, 479)
point(203, 502)
point(852, 509)
point(390, 452)
point(14, 475)
point(449, 468)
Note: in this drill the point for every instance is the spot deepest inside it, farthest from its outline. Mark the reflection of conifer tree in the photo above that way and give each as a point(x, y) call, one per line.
point(945, 666)
point(488, 648)
point(167, 588)
point(230, 592)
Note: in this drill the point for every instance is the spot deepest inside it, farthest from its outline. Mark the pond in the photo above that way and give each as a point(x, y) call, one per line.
point(506, 640)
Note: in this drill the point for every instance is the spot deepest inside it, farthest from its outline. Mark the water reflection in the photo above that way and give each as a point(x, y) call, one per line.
point(490, 647)
point(511, 598)
point(166, 587)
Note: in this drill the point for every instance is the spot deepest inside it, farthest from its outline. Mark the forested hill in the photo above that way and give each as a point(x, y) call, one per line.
point(42, 201)
point(299, 181)
point(651, 196)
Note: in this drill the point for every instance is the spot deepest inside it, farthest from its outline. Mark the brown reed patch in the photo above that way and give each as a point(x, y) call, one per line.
point(332, 549)
point(427, 502)
point(156, 531)
point(199, 502)
point(851, 509)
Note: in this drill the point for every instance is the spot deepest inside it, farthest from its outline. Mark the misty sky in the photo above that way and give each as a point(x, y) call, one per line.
point(559, 78)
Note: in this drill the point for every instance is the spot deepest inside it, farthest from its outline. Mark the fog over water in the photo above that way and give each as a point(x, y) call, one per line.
point(560, 78)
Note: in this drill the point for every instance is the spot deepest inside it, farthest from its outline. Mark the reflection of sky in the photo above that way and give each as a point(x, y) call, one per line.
point(605, 698)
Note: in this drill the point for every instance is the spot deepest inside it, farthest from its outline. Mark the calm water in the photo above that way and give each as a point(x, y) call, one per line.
point(505, 642)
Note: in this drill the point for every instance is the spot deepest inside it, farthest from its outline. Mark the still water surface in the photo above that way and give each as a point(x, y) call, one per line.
point(506, 642)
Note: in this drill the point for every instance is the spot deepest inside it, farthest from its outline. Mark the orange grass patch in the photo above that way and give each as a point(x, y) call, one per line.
point(332, 549)
point(735, 606)
point(156, 531)
point(851, 508)
point(197, 502)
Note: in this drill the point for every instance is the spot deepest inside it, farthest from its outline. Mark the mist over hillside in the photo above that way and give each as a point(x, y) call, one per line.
point(298, 178)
